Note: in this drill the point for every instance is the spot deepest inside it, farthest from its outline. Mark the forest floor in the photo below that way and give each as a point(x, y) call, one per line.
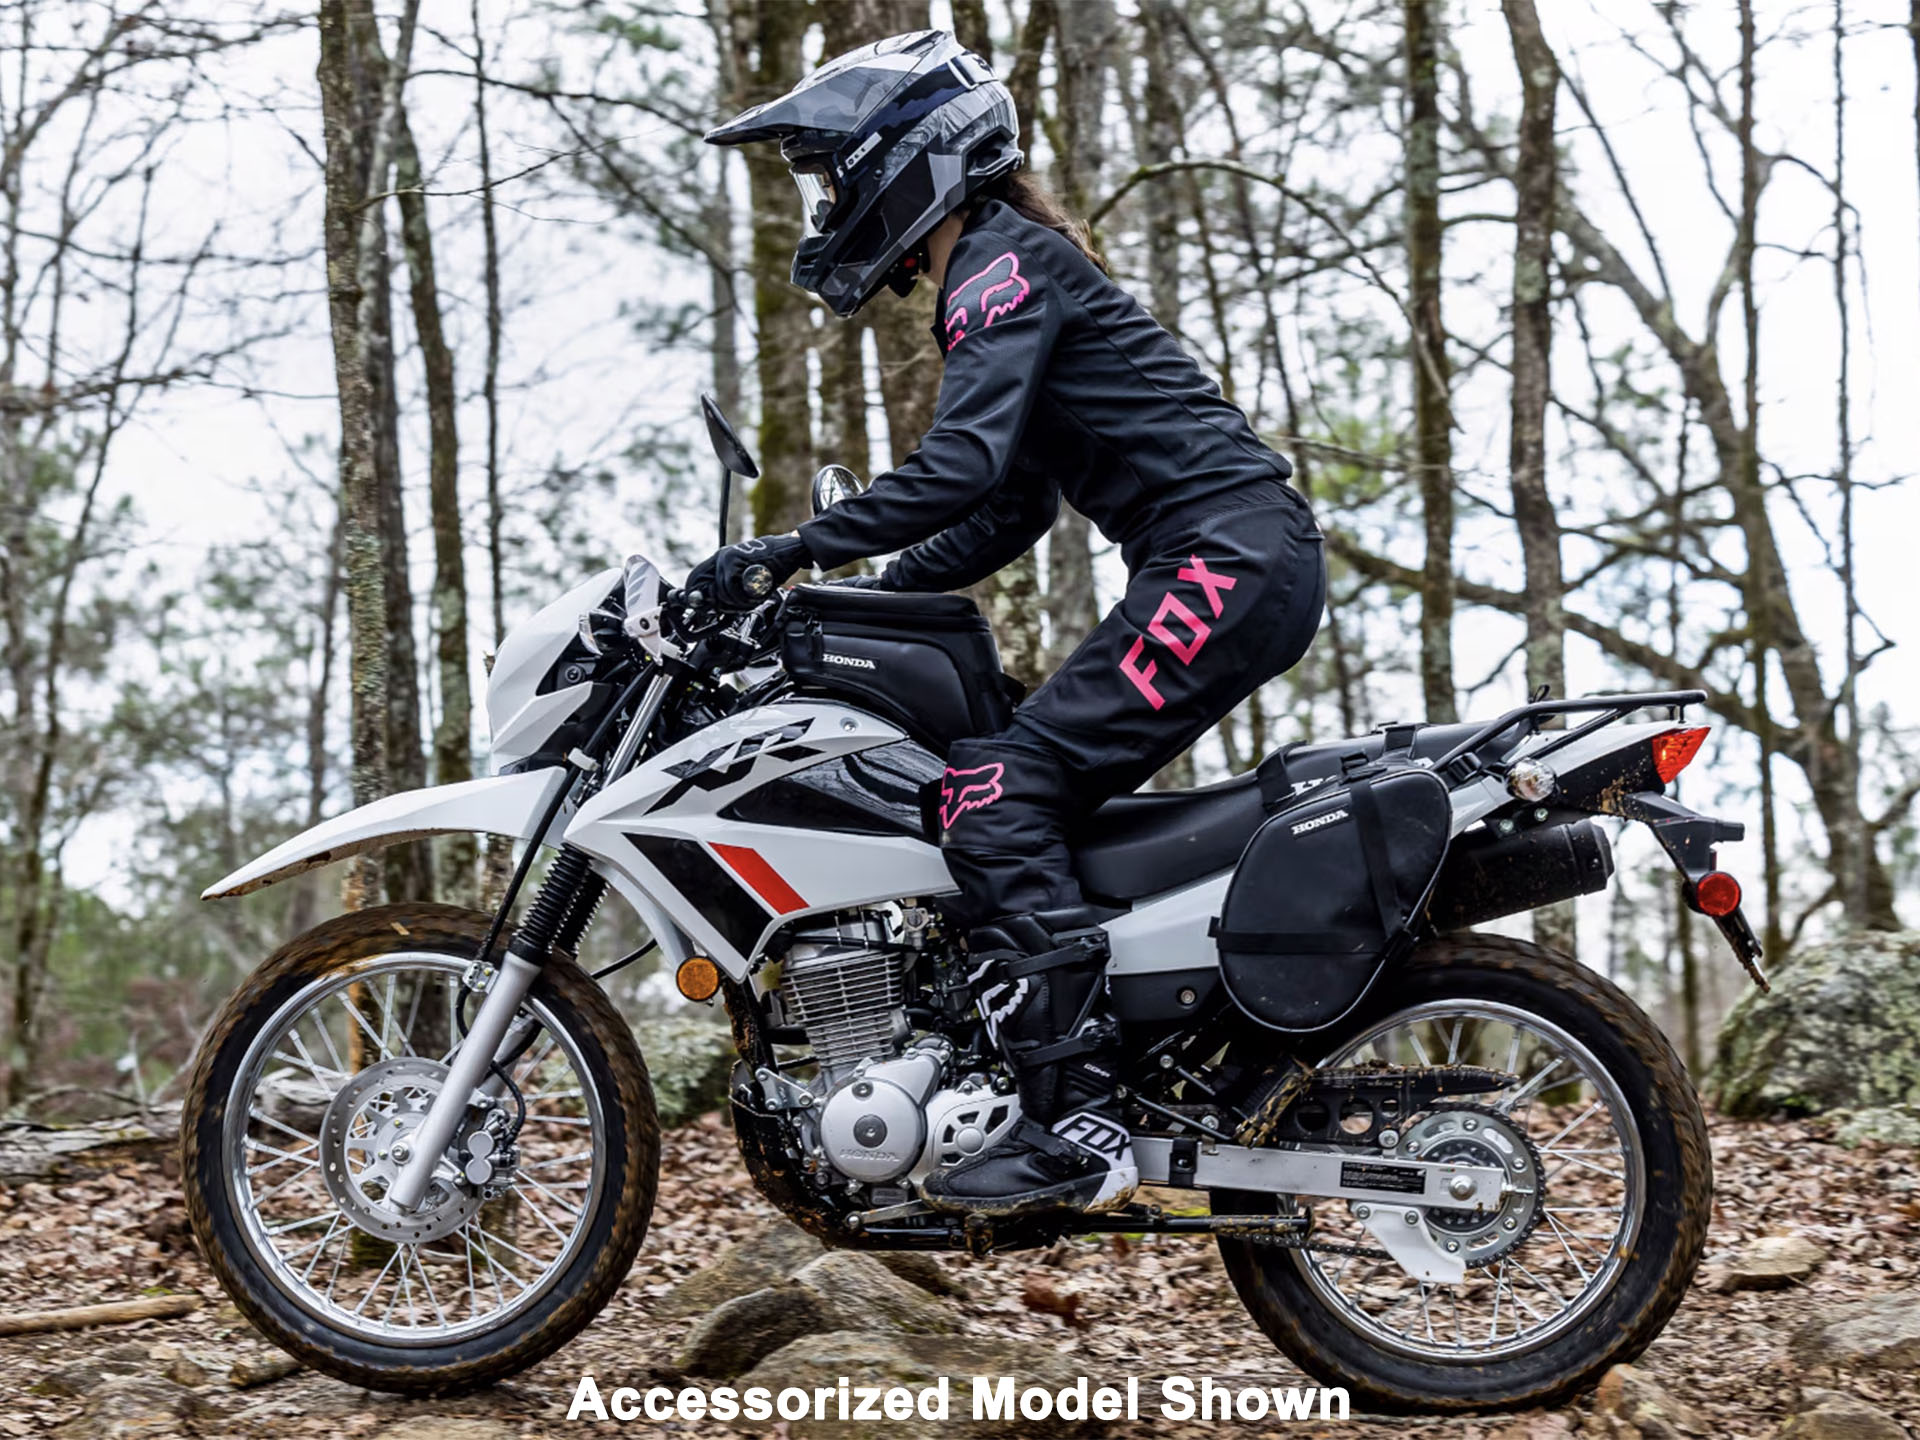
point(1146, 1308)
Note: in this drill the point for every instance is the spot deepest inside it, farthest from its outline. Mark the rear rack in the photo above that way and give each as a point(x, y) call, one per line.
point(1610, 708)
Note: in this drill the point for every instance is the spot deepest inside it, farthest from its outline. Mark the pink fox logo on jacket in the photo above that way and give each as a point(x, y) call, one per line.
point(963, 790)
point(992, 293)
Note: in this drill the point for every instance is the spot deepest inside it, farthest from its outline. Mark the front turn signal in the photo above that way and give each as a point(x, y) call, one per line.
point(1674, 751)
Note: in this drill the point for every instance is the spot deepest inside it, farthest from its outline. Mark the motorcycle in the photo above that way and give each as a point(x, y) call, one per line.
point(1446, 1170)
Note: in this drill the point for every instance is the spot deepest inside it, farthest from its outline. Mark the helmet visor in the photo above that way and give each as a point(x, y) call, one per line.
point(817, 197)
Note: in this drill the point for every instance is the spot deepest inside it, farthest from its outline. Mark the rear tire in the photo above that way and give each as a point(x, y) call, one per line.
point(1660, 1260)
point(628, 1142)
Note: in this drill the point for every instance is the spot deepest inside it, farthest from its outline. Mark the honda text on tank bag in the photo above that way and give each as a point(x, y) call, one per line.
point(1329, 892)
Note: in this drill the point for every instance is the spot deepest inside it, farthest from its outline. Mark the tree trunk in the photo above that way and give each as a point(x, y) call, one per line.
point(408, 873)
point(1159, 143)
point(1533, 511)
point(453, 735)
point(1854, 899)
point(365, 577)
point(490, 386)
point(1084, 33)
point(722, 291)
point(782, 314)
point(1432, 402)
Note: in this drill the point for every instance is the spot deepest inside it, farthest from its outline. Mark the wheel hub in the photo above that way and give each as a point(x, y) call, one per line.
point(367, 1135)
point(1481, 1136)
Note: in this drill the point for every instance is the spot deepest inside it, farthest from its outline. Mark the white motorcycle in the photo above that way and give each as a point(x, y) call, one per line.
point(1447, 1171)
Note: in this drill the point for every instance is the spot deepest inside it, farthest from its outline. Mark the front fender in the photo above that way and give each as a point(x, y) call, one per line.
point(497, 805)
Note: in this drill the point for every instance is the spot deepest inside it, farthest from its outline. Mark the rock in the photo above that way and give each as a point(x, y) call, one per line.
point(1840, 1417)
point(134, 1408)
point(183, 1371)
point(690, 1059)
point(253, 1371)
point(1772, 1262)
point(773, 1252)
point(1630, 1405)
point(451, 1427)
point(81, 1378)
point(857, 1292)
point(1882, 1333)
point(1880, 1125)
point(839, 1290)
point(1840, 1030)
point(738, 1335)
point(1541, 1425)
point(917, 1267)
point(915, 1361)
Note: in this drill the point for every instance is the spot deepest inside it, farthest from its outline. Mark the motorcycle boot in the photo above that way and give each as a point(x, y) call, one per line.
point(1042, 991)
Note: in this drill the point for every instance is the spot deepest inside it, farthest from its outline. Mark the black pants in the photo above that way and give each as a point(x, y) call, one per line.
point(1219, 606)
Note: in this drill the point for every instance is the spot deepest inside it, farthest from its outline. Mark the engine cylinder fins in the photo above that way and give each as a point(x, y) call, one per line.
point(847, 990)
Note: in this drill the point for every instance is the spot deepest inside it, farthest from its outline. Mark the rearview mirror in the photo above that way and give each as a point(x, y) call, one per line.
point(726, 445)
point(831, 485)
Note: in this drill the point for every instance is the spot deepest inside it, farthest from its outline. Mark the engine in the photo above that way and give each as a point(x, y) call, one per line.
point(886, 1106)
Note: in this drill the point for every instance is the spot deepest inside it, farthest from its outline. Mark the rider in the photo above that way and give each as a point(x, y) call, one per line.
point(1056, 382)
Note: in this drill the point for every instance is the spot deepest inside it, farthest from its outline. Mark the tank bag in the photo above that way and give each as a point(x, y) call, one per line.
point(1329, 891)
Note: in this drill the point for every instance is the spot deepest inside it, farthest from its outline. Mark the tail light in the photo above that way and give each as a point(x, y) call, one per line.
point(1674, 751)
point(1717, 894)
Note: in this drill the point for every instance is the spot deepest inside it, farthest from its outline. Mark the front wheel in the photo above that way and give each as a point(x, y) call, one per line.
point(1580, 1267)
point(304, 1095)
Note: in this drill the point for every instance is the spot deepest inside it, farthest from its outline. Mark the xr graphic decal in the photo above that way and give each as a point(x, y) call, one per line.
point(735, 760)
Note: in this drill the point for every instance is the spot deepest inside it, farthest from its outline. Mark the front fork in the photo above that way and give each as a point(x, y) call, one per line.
point(555, 920)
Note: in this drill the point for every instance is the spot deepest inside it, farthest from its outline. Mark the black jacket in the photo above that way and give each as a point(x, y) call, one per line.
point(1057, 382)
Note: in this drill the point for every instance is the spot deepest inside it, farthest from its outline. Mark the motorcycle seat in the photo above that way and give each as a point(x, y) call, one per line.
point(1139, 845)
point(1158, 840)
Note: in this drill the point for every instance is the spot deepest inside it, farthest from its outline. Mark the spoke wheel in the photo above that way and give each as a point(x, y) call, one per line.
point(1593, 1243)
point(306, 1095)
point(1552, 1249)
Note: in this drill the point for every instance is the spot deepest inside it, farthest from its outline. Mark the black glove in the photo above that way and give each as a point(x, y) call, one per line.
point(864, 582)
point(738, 577)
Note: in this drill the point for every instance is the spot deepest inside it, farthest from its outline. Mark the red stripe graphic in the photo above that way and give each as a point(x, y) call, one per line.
point(764, 880)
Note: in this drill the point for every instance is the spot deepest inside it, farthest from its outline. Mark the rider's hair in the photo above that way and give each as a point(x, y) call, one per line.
point(1039, 204)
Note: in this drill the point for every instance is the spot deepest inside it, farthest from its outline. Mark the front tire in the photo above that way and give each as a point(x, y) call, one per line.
point(1352, 1343)
point(246, 1188)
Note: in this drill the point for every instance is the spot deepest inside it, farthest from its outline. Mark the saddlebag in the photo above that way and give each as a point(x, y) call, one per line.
point(926, 662)
point(1328, 894)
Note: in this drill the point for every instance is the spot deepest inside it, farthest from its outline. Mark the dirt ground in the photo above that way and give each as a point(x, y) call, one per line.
point(1149, 1308)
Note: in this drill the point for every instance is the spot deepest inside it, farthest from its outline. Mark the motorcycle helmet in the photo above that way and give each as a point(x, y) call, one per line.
point(884, 142)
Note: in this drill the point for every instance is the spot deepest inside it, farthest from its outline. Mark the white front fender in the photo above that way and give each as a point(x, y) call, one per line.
point(497, 805)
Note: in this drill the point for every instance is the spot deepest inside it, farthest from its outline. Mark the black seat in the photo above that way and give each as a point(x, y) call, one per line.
point(1157, 840)
point(1139, 845)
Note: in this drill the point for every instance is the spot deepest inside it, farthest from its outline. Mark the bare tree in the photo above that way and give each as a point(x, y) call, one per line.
point(1432, 398)
point(1084, 37)
point(354, 230)
point(1533, 512)
point(453, 734)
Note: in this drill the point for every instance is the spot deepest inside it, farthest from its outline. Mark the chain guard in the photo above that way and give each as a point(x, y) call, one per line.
point(1317, 1106)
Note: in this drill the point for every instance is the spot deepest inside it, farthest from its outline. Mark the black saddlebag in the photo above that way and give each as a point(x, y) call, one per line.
point(1328, 894)
point(926, 662)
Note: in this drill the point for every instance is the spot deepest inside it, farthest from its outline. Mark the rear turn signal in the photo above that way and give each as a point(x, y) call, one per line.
point(1717, 894)
point(699, 978)
point(1674, 751)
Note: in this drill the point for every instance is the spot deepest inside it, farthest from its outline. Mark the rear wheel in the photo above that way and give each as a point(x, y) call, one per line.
point(304, 1096)
point(1589, 1254)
